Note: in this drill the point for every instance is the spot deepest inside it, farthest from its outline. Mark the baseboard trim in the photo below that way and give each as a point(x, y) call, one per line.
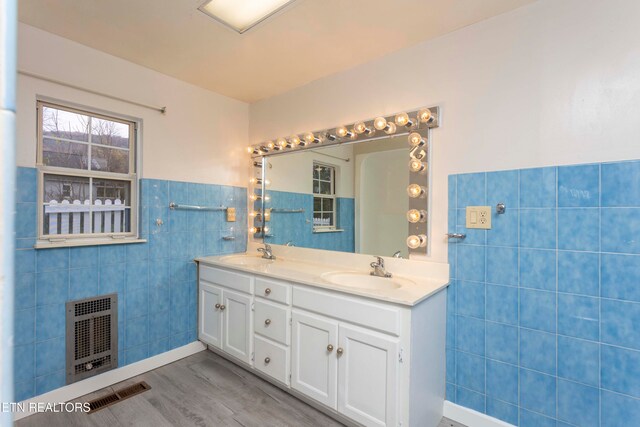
point(89, 385)
point(471, 418)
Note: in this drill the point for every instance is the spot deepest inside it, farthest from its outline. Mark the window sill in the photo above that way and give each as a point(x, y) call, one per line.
point(335, 230)
point(45, 244)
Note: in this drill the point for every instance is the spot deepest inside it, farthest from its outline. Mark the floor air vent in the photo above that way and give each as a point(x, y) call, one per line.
point(118, 396)
point(92, 336)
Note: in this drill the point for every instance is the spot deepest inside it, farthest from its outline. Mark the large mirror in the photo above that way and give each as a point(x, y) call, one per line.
point(360, 189)
point(348, 198)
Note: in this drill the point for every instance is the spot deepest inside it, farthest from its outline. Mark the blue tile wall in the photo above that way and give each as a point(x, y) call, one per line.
point(543, 311)
point(155, 281)
point(297, 228)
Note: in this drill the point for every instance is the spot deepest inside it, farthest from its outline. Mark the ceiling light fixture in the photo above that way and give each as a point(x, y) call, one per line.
point(242, 15)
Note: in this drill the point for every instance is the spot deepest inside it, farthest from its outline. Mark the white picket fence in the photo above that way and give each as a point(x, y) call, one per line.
point(75, 218)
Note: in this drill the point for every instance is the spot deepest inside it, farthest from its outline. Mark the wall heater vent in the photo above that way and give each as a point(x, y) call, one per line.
point(92, 336)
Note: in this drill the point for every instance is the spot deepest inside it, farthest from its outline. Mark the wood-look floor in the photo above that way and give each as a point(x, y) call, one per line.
point(200, 390)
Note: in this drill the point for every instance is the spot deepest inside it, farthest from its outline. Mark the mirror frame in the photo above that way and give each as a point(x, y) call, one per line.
point(416, 125)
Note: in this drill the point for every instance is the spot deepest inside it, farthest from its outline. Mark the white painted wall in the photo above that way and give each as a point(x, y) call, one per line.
point(202, 137)
point(556, 82)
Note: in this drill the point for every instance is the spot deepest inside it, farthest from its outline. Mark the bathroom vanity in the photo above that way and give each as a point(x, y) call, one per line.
point(366, 350)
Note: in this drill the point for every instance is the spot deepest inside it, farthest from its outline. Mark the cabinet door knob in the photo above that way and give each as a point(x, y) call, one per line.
point(267, 322)
point(267, 291)
point(267, 360)
point(222, 307)
point(329, 348)
point(217, 305)
point(339, 351)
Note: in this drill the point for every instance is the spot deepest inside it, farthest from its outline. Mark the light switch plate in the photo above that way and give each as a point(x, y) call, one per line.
point(479, 217)
point(231, 214)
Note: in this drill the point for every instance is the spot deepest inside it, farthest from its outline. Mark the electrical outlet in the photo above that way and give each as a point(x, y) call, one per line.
point(479, 217)
point(231, 214)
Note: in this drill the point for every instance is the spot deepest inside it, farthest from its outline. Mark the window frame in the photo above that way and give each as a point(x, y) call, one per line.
point(332, 196)
point(86, 239)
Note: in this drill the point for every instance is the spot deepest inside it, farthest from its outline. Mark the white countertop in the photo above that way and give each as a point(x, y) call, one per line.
point(414, 288)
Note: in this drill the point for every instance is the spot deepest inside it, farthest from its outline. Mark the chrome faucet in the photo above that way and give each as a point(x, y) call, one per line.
point(266, 252)
point(378, 268)
point(397, 254)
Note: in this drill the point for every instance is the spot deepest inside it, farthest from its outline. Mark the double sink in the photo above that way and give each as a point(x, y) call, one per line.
point(350, 279)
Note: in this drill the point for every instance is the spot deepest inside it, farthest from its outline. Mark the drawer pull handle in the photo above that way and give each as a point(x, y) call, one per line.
point(267, 360)
point(217, 306)
point(267, 291)
point(222, 307)
point(339, 351)
point(329, 348)
point(267, 322)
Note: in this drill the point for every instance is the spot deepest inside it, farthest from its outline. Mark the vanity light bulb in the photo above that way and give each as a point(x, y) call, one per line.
point(415, 215)
point(309, 137)
point(391, 128)
point(251, 150)
point(359, 128)
point(415, 139)
point(425, 115)
point(253, 230)
point(402, 119)
point(417, 166)
point(270, 145)
point(266, 229)
point(267, 197)
point(342, 131)
point(281, 143)
point(253, 214)
point(380, 123)
point(267, 183)
point(415, 242)
point(414, 191)
point(253, 197)
point(294, 140)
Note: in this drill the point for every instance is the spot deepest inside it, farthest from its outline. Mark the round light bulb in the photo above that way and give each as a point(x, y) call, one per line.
point(415, 242)
point(294, 140)
point(281, 142)
point(267, 183)
point(415, 139)
point(270, 145)
point(391, 128)
point(250, 150)
point(309, 137)
point(253, 214)
point(253, 230)
point(341, 131)
point(425, 115)
point(360, 128)
point(402, 119)
point(416, 165)
point(254, 180)
point(267, 198)
point(380, 123)
point(415, 215)
point(253, 197)
point(414, 191)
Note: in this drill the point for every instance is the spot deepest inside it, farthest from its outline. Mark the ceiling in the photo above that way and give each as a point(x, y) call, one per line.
point(308, 40)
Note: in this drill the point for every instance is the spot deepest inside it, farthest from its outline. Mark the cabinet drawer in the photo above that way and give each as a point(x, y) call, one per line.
point(271, 359)
point(272, 321)
point(238, 281)
point(384, 318)
point(273, 291)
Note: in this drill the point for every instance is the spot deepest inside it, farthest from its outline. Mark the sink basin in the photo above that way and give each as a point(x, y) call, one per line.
point(247, 260)
point(365, 281)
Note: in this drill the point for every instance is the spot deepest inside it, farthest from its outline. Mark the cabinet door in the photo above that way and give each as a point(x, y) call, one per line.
point(368, 376)
point(210, 316)
point(314, 367)
point(236, 312)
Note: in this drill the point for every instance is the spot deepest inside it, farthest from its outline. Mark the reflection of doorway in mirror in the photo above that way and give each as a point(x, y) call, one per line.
point(380, 205)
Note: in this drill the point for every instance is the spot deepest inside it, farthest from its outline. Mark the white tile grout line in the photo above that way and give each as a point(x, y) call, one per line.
point(557, 172)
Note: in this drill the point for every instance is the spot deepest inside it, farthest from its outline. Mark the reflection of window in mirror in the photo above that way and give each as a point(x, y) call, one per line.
point(324, 196)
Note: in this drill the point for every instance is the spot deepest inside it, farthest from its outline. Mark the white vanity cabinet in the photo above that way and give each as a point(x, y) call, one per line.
point(225, 316)
point(362, 360)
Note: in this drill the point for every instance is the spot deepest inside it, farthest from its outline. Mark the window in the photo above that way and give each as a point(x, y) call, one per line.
point(87, 177)
point(324, 197)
